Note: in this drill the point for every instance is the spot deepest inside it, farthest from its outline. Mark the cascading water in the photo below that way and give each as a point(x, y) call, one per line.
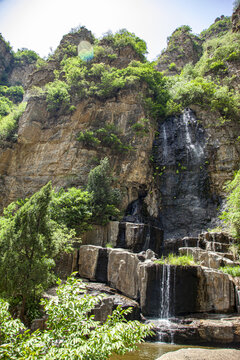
point(180, 159)
point(166, 303)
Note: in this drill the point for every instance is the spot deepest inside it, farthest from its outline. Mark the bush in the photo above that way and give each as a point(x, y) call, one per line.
point(71, 331)
point(5, 106)
point(57, 95)
point(107, 136)
point(9, 123)
point(141, 127)
point(231, 214)
point(24, 56)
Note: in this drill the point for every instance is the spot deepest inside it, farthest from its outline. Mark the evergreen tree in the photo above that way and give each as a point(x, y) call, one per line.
point(29, 240)
point(105, 199)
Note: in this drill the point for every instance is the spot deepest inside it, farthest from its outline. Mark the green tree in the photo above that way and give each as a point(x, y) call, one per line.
point(29, 240)
point(71, 331)
point(72, 209)
point(105, 198)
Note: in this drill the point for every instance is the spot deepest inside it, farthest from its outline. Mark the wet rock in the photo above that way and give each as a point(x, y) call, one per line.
point(167, 290)
point(202, 354)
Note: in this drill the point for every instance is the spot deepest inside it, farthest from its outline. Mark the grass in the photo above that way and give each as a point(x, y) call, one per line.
point(234, 271)
point(171, 259)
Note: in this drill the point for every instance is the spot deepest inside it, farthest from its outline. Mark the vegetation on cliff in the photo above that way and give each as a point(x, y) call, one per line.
point(71, 330)
point(207, 83)
point(231, 213)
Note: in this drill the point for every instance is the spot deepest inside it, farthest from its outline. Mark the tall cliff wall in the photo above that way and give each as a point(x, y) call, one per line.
point(47, 147)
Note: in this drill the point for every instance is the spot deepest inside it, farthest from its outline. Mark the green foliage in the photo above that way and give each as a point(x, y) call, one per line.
point(107, 136)
point(29, 240)
point(71, 208)
point(234, 271)
point(25, 56)
point(71, 331)
point(103, 81)
point(9, 328)
point(5, 106)
point(13, 93)
point(124, 38)
point(220, 51)
point(172, 67)
point(217, 29)
point(57, 95)
point(184, 260)
point(105, 199)
point(88, 139)
point(231, 214)
point(9, 123)
point(141, 127)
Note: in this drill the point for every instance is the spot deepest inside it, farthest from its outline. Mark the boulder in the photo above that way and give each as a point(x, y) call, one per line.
point(216, 292)
point(93, 262)
point(202, 354)
point(123, 272)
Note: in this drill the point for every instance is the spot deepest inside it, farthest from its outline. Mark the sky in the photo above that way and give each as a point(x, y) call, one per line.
point(39, 25)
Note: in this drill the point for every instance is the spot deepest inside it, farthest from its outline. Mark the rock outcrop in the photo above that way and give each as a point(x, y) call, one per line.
point(202, 354)
point(183, 48)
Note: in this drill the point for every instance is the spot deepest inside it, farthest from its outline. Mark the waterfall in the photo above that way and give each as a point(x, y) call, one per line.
point(181, 170)
point(165, 292)
point(166, 309)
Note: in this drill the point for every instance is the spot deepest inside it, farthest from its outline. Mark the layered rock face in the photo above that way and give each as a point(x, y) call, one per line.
point(162, 290)
point(47, 148)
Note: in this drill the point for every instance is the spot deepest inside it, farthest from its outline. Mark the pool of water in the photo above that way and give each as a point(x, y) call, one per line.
point(149, 351)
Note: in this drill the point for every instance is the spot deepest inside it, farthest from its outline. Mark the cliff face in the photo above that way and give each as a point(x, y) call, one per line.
point(176, 166)
point(47, 148)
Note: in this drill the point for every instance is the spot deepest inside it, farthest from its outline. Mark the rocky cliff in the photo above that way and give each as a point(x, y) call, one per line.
point(172, 164)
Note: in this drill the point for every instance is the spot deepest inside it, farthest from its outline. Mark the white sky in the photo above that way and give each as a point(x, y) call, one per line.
point(40, 24)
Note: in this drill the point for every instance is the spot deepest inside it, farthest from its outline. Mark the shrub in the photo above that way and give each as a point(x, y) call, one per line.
point(141, 127)
point(107, 136)
point(23, 56)
point(231, 214)
point(9, 123)
point(13, 93)
point(71, 330)
point(88, 139)
point(172, 67)
point(57, 95)
point(5, 106)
